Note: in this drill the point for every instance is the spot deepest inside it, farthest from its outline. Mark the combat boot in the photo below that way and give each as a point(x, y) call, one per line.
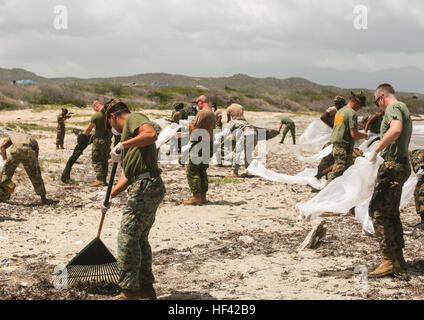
point(329, 214)
point(389, 266)
point(126, 295)
point(147, 291)
point(62, 147)
point(204, 199)
point(98, 183)
point(234, 174)
point(195, 200)
point(401, 259)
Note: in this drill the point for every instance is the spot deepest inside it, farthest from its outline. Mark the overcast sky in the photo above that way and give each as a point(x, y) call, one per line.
point(310, 38)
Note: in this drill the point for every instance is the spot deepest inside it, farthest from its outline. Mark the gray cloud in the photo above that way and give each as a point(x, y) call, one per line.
point(212, 38)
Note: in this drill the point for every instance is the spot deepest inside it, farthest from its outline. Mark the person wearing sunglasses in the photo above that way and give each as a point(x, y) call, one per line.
point(396, 131)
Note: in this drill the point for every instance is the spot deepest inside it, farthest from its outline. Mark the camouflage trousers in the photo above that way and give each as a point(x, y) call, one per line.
point(134, 251)
point(60, 137)
point(419, 197)
point(328, 161)
point(100, 156)
point(197, 176)
point(342, 154)
point(28, 157)
point(292, 129)
point(385, 202)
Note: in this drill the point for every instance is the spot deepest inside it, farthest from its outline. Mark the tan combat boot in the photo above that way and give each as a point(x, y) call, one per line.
point(330, 214)
point(147, 291)
point(234, 174)
point(126, 295)
point(195, 200)
point(98, 183)
point(389, 266)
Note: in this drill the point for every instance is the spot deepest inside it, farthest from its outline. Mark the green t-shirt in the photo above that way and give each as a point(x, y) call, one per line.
point(287, 121)
point(99, 121)
point(399, 148)
point(346, 118)
point(136, 160)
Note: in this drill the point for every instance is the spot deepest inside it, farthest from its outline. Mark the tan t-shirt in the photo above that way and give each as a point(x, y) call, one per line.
point(22, 139)
point(236, 112)
point(332, 111)
point(205, 119)
point(176, 118)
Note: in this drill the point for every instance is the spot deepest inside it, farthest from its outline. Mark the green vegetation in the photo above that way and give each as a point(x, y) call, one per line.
point(29, 126)
point(8, 106)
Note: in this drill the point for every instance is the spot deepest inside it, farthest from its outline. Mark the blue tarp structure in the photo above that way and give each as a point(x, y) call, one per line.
point(160, 84)
point(25, 82)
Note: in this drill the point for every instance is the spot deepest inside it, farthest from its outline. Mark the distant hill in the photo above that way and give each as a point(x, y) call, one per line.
point(237, 82)
point(256, 94)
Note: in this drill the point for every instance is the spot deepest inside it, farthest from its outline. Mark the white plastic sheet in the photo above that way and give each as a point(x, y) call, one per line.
point(314, 138)
point(306, 177)
point(163, 122)
point(1, 164)
point(168, 133)
point(361, 211)
point(345, 192)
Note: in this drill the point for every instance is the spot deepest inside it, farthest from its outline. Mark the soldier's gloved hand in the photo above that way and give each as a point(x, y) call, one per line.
point(116, 153)
point(103, 208)
point(372, 157)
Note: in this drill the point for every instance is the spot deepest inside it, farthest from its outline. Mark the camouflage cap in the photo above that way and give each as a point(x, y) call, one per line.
point(360, 97)
point(108, 105)
point(339, 100)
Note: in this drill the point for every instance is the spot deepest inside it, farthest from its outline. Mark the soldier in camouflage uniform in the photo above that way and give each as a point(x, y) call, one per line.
point(102, 141)
point(328, 116)
point(146, 191)
point(396, 131)
point(344, 134)
point(177, 115)
point(290, 126)
point(417, 162)
point(196, 171)
point(24, 149)
point(327, 163)
point(61, 130)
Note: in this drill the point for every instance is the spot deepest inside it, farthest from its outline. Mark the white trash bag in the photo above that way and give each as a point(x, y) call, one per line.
point(314, 138)
point(361, 211)
point(167, 134)
point(345, 192)
point(306, 177)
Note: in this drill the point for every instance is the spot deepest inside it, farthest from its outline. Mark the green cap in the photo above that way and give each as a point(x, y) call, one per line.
point(360, 97)
point(339, 100)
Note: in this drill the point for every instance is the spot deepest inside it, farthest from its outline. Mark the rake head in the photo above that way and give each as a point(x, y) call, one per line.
point(94, 263)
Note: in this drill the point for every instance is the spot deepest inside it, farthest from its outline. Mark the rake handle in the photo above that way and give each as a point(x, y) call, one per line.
point(107, 198)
